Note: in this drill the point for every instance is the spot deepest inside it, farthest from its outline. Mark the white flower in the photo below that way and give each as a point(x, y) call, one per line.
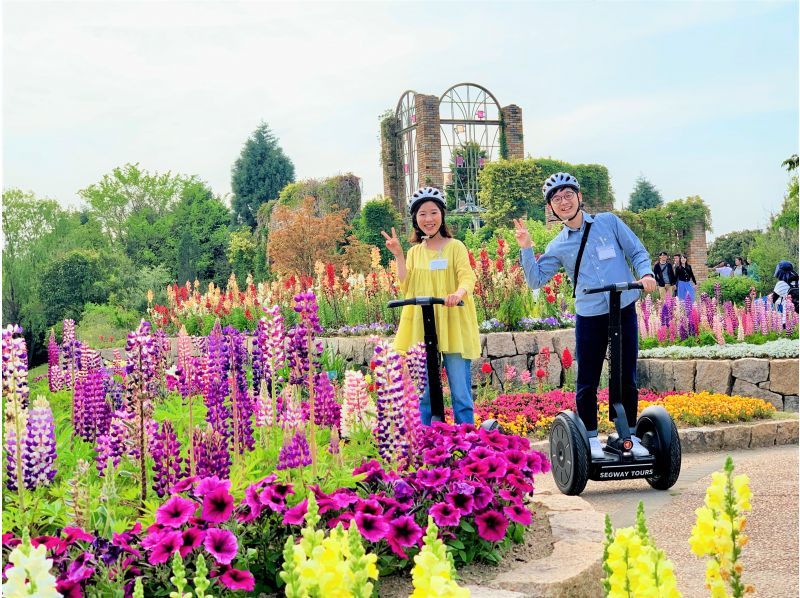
point(30, 574)
point(782, 348)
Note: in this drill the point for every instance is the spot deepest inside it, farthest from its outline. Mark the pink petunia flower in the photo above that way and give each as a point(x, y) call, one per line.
point(221, 544)
point(237, 579)
point(296, 514)
point(433, 478)
point(207, 485)
point(491, 526)
point(445, 515)
point(217, 505)
point(192, 538)
point(175, 512)
point(168, 543)
point(464, 503)
point(372, 527)
point(518, 514)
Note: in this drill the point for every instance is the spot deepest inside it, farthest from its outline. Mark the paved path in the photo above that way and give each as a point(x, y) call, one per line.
point(771, 556)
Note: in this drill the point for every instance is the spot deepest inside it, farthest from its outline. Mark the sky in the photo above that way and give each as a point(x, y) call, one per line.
point(701, 98)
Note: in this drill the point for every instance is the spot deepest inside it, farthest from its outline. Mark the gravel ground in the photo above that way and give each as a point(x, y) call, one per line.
point(770, 559)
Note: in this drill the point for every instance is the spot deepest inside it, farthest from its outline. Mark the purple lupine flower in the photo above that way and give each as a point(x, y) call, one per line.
point(416, 359)
point(11, 456)
point(39, 450)
point(263, 409)
point(791, 315)
point(113, 444)
point(390, 429)
point(666, 312)
point(91, 413)
point(290, 413)
point(70, 352)
point(140, 370)
point(219, 416)
point(55, 377)
point(413, 422)
point(295, 453)
point(241, 405)
point(269, 346)
point(166, 450)
point(327, 412)
point(211, 454)
point(687, 308)
point(90, 359)
point(303, 346)
point(646, 310)
point(15, 366)
point(115, 391)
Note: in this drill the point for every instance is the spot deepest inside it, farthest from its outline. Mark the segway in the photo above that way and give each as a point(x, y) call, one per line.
point(432, 362)
point(570, 456)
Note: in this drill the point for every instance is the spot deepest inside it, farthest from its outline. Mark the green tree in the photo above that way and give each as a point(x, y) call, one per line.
point(644, 196)
point(727, 247)
point(258, 175)
point(71, 281)
point(128, 189)
point(510, 189)
point(242, 249)
point(200, 231)
point(377, 215)
point(146, 238)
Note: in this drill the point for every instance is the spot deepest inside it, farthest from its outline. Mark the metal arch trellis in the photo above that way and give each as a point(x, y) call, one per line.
point(470, 121)
point(406, 114)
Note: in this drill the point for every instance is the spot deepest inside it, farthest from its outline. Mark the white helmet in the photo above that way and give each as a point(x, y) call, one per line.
point(426, 194)
point(558, 180)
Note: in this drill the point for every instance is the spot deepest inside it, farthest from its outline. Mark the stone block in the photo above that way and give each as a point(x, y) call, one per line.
point(790, 403)
point(751, 370)
point(746, 389)
point(783, 376)
point(683, 371)
point(544, 338)
point(577, 526)
point(787, 431)
point(643, 373)
point(699, 440)
point(482, 338)
point(660, 375)
point(520, 362)
point(564, 339)
point(763, 434)
point(526, 343)
point(713, 375)
point(500, 344)
point(735, 437)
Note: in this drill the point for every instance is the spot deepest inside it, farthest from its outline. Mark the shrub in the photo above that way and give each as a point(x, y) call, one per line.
point(732, 288)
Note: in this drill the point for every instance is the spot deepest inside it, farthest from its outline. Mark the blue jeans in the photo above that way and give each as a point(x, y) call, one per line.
point(459, 377)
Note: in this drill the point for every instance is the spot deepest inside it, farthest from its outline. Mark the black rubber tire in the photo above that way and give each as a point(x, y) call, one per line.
point(668, 468)
point(569, 457)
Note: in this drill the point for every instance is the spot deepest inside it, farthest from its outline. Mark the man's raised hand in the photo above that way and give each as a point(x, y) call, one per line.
point(393, 243)
point(522, 234)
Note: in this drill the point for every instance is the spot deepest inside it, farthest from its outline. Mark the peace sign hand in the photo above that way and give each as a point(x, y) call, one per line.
point(521, 233)
point(393, 243)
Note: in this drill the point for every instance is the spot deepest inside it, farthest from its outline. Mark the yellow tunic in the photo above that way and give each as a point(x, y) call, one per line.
point(456, 327)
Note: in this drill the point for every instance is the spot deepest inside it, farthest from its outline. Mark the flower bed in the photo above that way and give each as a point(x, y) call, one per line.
point(533, 413)
point(153, 471)
point(779, 349)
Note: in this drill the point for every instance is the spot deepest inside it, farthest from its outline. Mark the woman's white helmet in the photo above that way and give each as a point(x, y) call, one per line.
point(558, 180)
point(425, 194)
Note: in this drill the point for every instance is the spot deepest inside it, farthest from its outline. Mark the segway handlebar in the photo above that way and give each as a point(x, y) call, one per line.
point(419, 301)
point(617, 286)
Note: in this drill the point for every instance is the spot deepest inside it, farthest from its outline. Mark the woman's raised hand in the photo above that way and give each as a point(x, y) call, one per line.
point(393, 243)
point(521, 233)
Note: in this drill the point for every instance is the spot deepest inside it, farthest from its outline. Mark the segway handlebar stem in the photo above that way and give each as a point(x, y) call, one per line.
point(617, 286)
point(418, 301)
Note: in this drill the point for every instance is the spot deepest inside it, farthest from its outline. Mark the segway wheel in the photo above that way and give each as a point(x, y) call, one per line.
point(668, 456)
point(568, 455)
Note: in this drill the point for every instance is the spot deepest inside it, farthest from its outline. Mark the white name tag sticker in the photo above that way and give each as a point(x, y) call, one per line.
point(440, 264)
point(606, 252)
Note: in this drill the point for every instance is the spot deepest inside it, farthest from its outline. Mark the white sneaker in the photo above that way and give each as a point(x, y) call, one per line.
point(638, 449)
point(596, 448)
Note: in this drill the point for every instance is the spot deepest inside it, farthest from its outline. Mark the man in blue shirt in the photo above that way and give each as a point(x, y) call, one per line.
point(609, 246)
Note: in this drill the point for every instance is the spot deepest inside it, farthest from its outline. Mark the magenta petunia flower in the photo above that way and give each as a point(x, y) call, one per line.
point(49, 542)
point(516, 458)
point(175, 512)
point(296, 514)
point(491, 526)
point(372, 527)
point(483, 496)
point(464, 503)
point(217, 505)
point(221, 544)
point(369, 507)
point(518, 514)
point(184, 485)
point(207, 485)
point(435, 456)
point(192, 538)
point(168, 543)
point(236, 579)
point(269, 498)
point(495, 467)
point(477, 468)
point(445, 515)
point(433, 478)
point(519, 483)
point(404, 530)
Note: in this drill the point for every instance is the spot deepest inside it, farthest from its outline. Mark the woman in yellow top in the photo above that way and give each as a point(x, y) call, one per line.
point(438, 266)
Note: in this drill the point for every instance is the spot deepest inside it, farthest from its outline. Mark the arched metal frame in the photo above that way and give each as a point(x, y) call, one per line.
point(406, 114)
point(470, 121)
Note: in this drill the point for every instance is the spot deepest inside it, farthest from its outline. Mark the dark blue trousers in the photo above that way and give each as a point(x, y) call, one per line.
point(591, 344)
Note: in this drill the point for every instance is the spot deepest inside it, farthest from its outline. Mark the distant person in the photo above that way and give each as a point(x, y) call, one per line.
point(723, 269)
point(686, 279)
point(665, 275)
point(786, 286)
point(740, 266)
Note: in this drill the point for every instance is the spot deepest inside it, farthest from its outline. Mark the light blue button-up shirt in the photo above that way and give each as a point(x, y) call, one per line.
point(598, 266)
